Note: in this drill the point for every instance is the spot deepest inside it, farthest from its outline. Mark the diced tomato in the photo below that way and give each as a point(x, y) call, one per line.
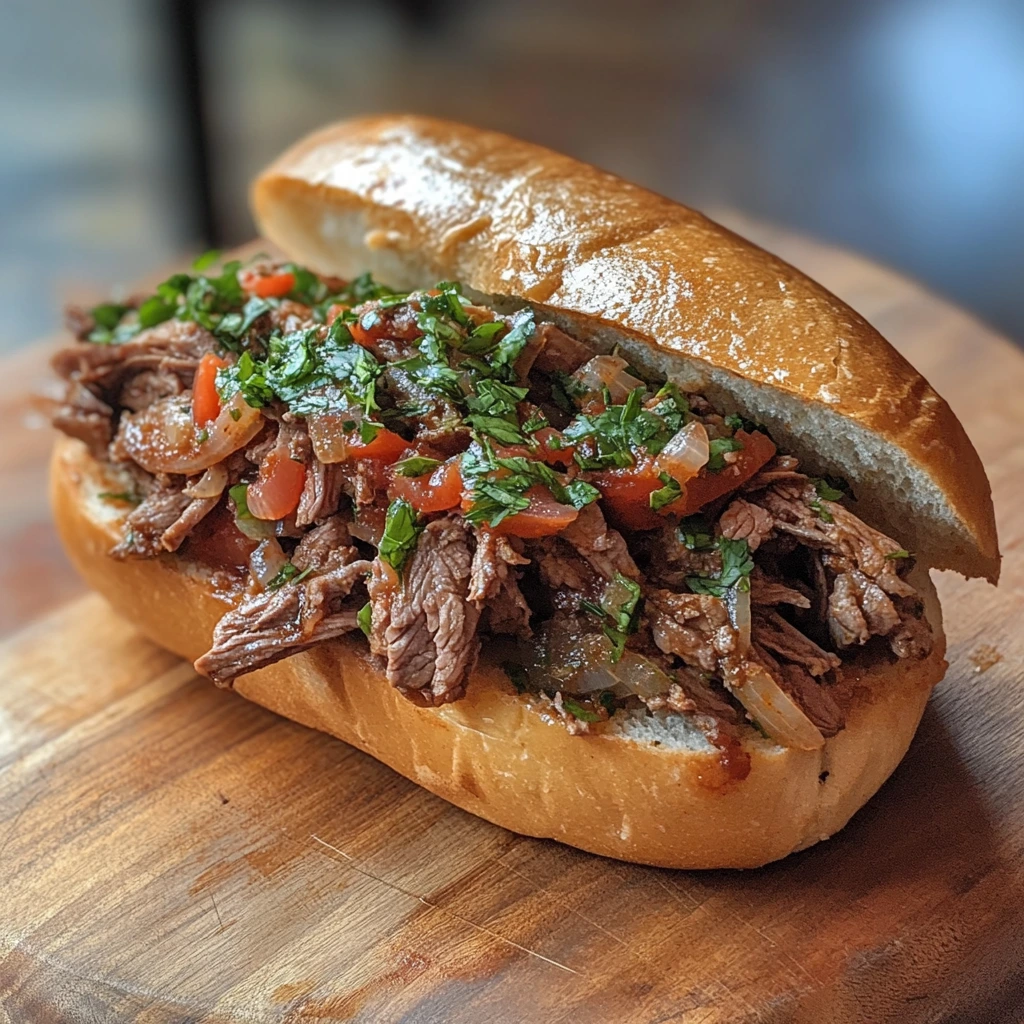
point(267, 286)
point(278, 487)
point(205, 400)
point(543, 518)
point(431, 492)
point(386, 446)
point(553, 449)
point(376, 324)
point(627, 492)
point(335, 311)
point(757, 450)
point(217, 541)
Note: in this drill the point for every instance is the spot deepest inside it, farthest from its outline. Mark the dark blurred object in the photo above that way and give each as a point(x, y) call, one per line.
point(892, 126)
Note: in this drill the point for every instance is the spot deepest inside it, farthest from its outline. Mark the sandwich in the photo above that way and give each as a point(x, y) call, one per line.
point(563, 501)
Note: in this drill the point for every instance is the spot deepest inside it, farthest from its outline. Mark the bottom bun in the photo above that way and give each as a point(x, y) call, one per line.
point(647, 789)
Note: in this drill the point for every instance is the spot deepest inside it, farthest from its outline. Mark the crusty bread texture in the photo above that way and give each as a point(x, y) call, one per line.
point(416, 200)
point(647, 789)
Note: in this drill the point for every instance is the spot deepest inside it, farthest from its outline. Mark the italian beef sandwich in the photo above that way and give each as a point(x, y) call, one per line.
point(563, 501)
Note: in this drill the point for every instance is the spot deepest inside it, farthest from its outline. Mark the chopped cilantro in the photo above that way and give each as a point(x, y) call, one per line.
point(482, 338)
point(717, 449)
point(734, 421)
point(669, 491)
point(364, 617)
point(107, 316)
point(614, 434)
point(401, 531)
point(493, 411)
point(827, 491)
point(239, 495)
point(234, 326)
point(696, 533)
point(416, 465)
point(155, 311)
point(737, 564)
point(899, 553)
point(577, 710)
point(207, 259)
point(823, 513)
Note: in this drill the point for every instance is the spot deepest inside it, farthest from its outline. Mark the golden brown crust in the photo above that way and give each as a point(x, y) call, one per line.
point(415, 200)
point(499, 756)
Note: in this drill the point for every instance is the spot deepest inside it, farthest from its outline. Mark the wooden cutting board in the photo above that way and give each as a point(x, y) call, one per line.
point(169, 852)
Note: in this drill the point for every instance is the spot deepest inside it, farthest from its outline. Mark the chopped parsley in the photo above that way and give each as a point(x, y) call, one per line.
point(499, 485)
point(669, 491)
point(823, 513)
point(401, 532)
point(696, 533)
point(364, 617)
point(612, 436)
point(718, 448)
point(619, 620)
point(288, 573)
point(416, 465)
point(492, 411)
point(737, 565)
point(578, 710)
point(239, 495)
point(825, 490)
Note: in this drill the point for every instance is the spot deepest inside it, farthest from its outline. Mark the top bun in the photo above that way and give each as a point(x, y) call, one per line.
point(416, 200)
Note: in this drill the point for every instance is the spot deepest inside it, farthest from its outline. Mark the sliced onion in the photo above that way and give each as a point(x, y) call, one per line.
point(327, 433)
point(772, 708)
point(267, 561)
point(211, 484)
point(686, 454)
point(164, 439)
point(738, 603)
point(639, 676)
point(608, 372)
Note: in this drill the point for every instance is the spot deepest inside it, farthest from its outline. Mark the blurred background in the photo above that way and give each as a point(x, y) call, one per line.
point(129, 128)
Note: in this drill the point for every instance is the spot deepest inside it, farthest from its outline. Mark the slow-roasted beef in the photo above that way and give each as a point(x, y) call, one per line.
point(443, 379)
point(162, 522)
point(494, 586)
point(430, 633)
point(274, 624)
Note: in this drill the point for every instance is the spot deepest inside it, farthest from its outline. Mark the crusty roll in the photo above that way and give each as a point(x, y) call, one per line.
point(415, 200)
point(650, 789)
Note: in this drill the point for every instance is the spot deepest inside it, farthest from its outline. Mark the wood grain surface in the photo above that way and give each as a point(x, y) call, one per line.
point(169, 852)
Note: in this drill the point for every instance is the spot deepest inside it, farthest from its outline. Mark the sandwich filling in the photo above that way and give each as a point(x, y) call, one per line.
point(430, 472)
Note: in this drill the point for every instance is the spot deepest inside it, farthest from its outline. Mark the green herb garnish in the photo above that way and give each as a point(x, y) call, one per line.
point(365, 617)
point(717, 449)
point(737, 565)
point(401, 531)
point(669, 491)
point(577, 710)
point(899, 553)
point(416, 465)
point(825, 490)
point(128, 497)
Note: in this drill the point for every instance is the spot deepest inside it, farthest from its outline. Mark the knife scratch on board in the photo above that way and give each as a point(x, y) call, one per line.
point(444, 910)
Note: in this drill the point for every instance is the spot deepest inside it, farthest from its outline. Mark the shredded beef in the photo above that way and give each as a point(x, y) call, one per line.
point(275, 624)
point(772, 631)
point(744, 521)
point(559, 353)
point(81, 414)
point(494, 587)
point(432, 646)
point(764, 590)
point(162, 522)
point(173, 347)
point(694, 627)
point(813, 696)
point(316, 546)
point(321, 492)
